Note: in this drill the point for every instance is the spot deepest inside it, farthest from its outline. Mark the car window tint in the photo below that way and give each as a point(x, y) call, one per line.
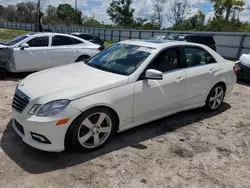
point(167, 60)
point(76, 41)
point(86, 37)
point(197, 56)
point(62, 41)
point(39, 42)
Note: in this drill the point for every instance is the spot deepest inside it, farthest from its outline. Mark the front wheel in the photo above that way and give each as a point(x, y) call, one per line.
point(93, 129)
point(215, 97)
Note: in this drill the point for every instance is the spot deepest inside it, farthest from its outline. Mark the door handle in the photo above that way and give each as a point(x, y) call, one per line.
point(211, 71)
point(178, 80)
point(74, 51)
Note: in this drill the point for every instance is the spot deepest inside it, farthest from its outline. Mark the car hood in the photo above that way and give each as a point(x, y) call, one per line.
point(69, 82)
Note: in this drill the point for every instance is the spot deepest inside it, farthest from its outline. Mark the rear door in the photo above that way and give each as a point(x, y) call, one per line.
point(35, 57)
point(201, 69)
point(63, 50)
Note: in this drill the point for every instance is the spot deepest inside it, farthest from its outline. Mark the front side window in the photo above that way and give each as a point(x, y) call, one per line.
point(121, 59)
point(39, 42)
point(62, 41)
point(168, 60)
point(197, 56)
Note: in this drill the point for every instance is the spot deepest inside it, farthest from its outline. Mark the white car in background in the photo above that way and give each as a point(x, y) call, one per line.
point(129, 84)
point(159, 38)
point(38, 51)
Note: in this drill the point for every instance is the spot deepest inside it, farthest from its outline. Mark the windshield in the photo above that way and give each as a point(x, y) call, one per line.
point(121, 58)
point(16, 40)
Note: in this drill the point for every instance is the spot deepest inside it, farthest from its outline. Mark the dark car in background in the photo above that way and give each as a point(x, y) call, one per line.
point(90, 37)
point(207, 40)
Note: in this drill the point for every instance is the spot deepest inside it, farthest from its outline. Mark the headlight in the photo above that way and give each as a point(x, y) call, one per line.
point(53, 108)
point(34, 108)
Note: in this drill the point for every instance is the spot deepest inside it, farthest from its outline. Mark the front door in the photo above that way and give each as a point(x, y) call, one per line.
point(201, 69)
point(157, 97)
point(34, 58)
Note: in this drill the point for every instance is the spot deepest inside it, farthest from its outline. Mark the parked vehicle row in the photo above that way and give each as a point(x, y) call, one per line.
point(207, 40)
point(129, 84)
point(39, 51)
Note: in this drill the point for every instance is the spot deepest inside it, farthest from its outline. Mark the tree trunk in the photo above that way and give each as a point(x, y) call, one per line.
point(229, 8)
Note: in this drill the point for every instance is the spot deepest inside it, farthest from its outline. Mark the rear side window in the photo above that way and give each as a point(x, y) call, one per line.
point(62, 41)
point(76, 41)
point(197, 56)
point(39, 42)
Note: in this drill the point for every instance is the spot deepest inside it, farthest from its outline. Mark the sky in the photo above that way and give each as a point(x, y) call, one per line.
point(97, 8)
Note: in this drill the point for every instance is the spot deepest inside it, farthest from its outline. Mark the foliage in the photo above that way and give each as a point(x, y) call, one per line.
point(179, 11)
point(91, 22)
point(227, 7)
point(121, 13)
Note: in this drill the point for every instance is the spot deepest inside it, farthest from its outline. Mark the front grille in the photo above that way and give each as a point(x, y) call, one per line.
point(19, 127)
point(20, 101)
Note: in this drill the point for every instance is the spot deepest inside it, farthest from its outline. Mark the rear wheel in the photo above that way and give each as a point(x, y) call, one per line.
point(93, 129)
point(215, 97)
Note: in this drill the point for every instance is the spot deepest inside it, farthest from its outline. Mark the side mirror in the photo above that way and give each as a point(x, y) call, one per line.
point(153, 74)
point(24, 45)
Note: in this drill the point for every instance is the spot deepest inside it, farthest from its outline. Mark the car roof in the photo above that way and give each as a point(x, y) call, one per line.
point(159, 44)
point(82, 34)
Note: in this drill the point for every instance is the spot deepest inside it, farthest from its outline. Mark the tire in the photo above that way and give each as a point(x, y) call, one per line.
point(82, 58)
point(215, 97)
point(87, 134)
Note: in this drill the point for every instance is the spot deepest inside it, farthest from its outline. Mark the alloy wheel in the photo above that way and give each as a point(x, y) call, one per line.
point(216, 98)
point(94, 130)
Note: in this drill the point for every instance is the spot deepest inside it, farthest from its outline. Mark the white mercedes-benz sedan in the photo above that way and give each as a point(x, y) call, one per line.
point(129, 84)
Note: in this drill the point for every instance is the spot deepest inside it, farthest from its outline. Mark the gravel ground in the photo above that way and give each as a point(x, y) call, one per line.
point(191, 149)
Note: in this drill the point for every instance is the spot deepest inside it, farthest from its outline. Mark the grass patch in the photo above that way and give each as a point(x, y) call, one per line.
point(8, 34)
point(108, 43)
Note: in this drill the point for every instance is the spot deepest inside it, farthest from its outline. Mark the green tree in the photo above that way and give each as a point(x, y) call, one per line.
point(227, 7)
point(195, 23)
point(91, 22)
point(26, 12)
point(10, 13)
point(66, 13)
point(121, 13)
point(50, 16)
point(1, 10)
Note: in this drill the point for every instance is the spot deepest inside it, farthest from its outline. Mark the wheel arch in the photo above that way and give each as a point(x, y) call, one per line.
point(117, 120)
point(83, 55)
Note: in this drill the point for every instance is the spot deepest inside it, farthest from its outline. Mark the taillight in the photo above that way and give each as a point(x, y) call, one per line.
point(235, 70)
point(100, 48)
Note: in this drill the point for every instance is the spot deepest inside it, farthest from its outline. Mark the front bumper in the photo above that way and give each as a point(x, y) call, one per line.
point(42, 132)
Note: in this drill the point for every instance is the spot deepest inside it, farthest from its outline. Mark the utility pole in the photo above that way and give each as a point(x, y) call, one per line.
point(76, 11)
